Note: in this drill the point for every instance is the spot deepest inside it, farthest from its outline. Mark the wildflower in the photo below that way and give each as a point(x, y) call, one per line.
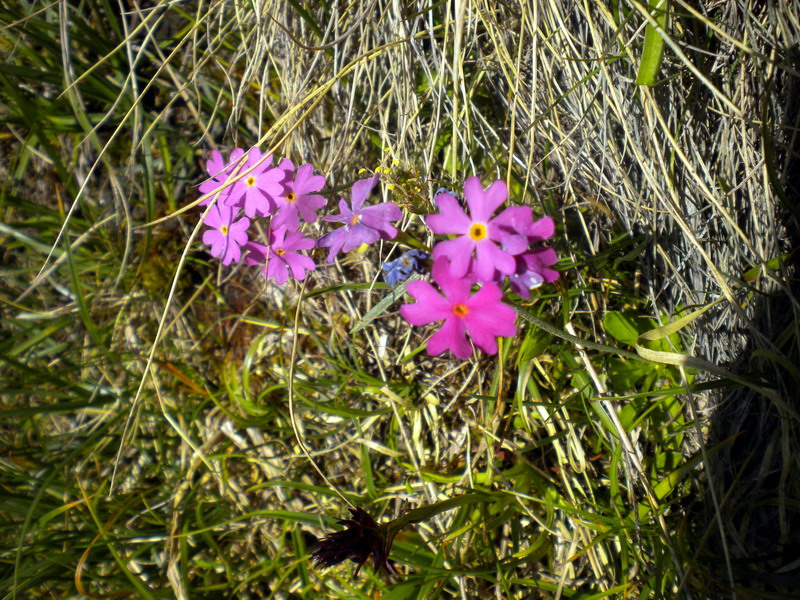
point(298, 198)
point(362, 538)
point(478, 233)
point(219, 171)
point(482, 315)
point(282, 255)
point(259, 189)
point(521, 230)
point(401, 268)
point(226, 236)
point(532, 270)
point(361, 225)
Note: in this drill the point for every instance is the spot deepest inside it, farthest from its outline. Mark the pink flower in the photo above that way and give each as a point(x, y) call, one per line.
point(226, 236)
point(478, 233)
point(532, 270)
point(219, 171)
point(281, 255)
point(482, 315)
point(259, 189)
point(298, 199)
point(362, 225)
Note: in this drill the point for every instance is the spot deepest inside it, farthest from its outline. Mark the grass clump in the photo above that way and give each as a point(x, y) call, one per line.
point(175, 428)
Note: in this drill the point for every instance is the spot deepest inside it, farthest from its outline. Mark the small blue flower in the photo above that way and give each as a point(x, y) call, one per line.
point(400, 269)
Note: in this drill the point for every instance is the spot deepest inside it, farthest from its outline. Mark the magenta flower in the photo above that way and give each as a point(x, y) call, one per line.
point(281, 255)
point(361, 225)
point(259, 189)
point(298, 200)
point(532, 270)
point(226, 236)
point(482, 315)
point(219, 171)
point(478, 233)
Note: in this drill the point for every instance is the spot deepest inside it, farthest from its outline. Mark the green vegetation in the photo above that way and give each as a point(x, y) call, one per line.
point(171, 428)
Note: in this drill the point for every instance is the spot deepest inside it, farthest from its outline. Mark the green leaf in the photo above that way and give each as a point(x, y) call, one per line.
point(653, 53)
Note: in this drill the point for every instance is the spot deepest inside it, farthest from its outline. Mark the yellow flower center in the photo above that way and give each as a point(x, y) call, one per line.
point(280, 251)
point(290, 197)
point(460, 310)
point(251, 181)
point(354, 221)
point(477, 231)
point(224, 230)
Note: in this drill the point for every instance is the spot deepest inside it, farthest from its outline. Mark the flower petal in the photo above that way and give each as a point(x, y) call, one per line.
point(359, 234)
point(541, 229)
point(490, 258)
point(459, 251)
point(430, 305)
point(277, 270)
point(377, 217)
point(333, 240)
point(451, 217)
point(361, 190)
point(514, 219)
point(345, 214)
point(451, 336)
point(482, 204)
point(299, 263)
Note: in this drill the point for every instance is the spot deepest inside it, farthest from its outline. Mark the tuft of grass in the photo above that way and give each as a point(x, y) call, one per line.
point(172, 428)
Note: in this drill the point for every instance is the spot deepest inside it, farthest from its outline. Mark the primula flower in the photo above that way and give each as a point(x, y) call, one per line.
point(282, 255)
point(521, 230)
point(478, 233)
point(401, 268)
point(226, 236)
point(532, 270)
point(362, 538)
point(482, 315)
point(298, 199)
point(259, 189)
point(363, 225)
point(219, 171)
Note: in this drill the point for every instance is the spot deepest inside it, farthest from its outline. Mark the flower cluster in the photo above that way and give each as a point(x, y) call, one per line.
point(248, 186)
point(485, 251)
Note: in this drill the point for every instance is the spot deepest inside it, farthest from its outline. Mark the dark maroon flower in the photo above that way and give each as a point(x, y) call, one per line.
point(362, 538)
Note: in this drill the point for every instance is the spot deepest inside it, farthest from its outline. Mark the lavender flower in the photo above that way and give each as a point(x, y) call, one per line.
point(362, 225)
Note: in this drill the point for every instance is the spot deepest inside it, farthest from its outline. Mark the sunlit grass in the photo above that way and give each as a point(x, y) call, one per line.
point(607, 462)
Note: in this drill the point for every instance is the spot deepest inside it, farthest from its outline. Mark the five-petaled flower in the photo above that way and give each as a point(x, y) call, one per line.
point(482, 314)
point(362, 225)
point(219, 171)
point(477, 233)
point(281, 255)
point(298, 199)
point(226, 236)
point(259, 187)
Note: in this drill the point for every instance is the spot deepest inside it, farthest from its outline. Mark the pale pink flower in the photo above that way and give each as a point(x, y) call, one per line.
point(298, 199)
point(219, 172)
point(226, 236)
point(282, 255)
point(258, 190)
